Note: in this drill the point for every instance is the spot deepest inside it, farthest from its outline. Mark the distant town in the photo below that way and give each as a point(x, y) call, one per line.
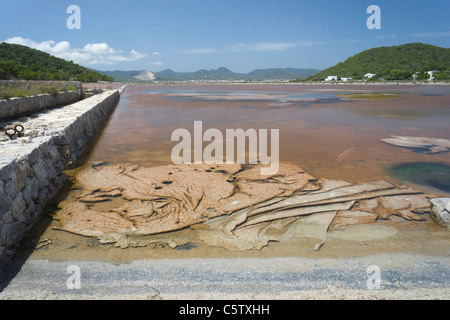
point(369, 76)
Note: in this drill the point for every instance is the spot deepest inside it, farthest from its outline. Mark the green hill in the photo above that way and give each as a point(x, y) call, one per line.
point(280, 73)
point(393, 63)
point(123, 76)
point(21, 62)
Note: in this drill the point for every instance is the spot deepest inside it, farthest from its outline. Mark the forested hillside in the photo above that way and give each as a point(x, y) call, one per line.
point(393, 63)
point(24, 63)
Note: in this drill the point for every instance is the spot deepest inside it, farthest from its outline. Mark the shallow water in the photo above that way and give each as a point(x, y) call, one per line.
point(436, 175)
point(328, 136)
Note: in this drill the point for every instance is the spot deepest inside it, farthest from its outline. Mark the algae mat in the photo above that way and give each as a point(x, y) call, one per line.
point(228, 206)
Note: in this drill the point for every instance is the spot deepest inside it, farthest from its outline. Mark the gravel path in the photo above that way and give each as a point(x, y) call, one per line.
point(404, 276)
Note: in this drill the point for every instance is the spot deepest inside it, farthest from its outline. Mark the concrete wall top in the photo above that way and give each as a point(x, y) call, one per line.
point(41, 129)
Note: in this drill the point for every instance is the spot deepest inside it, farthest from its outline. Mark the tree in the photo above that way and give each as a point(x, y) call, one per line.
point(397, 74)
point(20, 62)
point(408, 58)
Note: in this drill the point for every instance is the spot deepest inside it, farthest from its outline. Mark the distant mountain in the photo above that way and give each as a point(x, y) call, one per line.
point(130, 76)
point(392, 63)
point(211, 75)
point(285, 73)
point(21, 62)
point(219, 74)
point(166, 73)
point(226, 74)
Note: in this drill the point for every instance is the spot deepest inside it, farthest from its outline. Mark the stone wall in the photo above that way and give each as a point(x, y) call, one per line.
point(27, 83)
point(32, 167)
point(18, 107)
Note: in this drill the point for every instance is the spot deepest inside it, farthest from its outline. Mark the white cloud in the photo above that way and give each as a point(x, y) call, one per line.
point(199, 50)
point(90, 54)
point(156, 53)
point(62, 46)
point(256, 46)
point(100, 49)
point(388, 36)
point(136, 55)
point(270, 46)
point(432, 34)
point(157, 63)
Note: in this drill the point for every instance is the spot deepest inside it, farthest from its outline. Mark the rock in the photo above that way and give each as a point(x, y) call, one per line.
point(168, 198)
point(18, 206)
point(420, 144)
point(405, 206)
point(318, 246)
point(225, 232)
point(313, 226)
point(5, 203)
point(301, 211)
point(21, 175)
point(43, 242)
point(350, 217)
point(440, 211)
point(187, 246)
point(40, 172)
point(145, 76)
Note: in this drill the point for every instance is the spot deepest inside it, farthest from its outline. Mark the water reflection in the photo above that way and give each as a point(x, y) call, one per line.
point(435, 175)
point(332, 138)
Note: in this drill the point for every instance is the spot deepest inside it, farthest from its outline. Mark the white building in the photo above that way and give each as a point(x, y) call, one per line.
point(331, 78)
point(431, 75)
point(369, 75)
point(346, 79)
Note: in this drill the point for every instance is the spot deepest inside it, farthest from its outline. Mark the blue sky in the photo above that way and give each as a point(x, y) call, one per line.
point(243, 35)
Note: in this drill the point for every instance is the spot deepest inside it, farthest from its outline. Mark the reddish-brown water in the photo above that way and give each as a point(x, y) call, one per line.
point(328, 136)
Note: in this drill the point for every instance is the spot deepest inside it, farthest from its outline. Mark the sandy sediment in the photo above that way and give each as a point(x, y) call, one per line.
point(233, 207)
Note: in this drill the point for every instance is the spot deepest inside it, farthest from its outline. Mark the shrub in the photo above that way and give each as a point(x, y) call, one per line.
point(7, 93)
point(51, 90)
point(13, 92)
